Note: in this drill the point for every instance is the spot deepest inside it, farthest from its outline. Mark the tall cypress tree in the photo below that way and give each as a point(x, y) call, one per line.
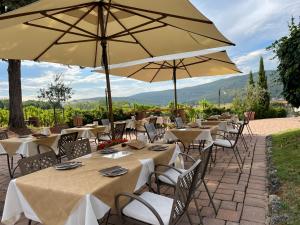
point(251, 80)
point(263, 84)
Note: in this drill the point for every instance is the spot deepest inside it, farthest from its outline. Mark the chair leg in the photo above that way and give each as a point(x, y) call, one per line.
point(189, 217)
point(198, 210)
point(210, 197)
point(29, 222)
point(237, 159)
point(245, 143)
point(12, 163)
point(9, 166)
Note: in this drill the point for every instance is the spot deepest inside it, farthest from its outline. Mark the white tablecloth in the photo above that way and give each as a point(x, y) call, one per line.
point(29, 148)
point(89, 209)
point(83, 132)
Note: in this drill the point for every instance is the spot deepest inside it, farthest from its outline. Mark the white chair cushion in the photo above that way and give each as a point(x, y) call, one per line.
point(233, 131)
point(162, 205)
point(105, 138)
point(173, 174)
point(224, 143)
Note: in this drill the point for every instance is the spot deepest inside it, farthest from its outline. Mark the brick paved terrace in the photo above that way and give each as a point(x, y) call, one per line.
point(241, 198)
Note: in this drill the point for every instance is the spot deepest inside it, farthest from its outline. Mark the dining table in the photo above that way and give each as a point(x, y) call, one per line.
point(188, 135)
point(82, 196)
point(88, 132)
point(27, 145)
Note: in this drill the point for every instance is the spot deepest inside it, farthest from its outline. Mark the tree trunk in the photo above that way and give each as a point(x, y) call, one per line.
point(16, 116)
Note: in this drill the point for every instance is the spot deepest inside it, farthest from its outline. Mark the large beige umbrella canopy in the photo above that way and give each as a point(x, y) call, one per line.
point(94, 33)
point(212, 64)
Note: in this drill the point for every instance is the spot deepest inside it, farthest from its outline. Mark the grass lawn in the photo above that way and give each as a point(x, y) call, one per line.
point(286, 158)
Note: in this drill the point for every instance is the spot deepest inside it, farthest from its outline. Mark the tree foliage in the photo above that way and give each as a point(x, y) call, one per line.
point(56, 93)
point(287, 51)
point(263, 85)
point(251, 79)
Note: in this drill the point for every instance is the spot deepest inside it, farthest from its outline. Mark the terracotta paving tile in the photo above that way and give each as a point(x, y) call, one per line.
point(254, 214)
point(228, 205)
point(210, 221)
point(229, 215)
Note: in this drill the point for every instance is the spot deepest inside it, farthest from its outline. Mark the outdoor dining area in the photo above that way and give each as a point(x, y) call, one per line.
point(155, 170)
point(82, 177)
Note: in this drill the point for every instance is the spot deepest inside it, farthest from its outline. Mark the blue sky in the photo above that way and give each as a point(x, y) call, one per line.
point(251, 24)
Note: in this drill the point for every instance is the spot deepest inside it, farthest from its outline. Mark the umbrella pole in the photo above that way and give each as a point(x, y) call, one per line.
point(105, 64)
point(175, 88)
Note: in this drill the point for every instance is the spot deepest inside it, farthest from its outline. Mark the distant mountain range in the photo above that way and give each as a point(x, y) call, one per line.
point(230, 87)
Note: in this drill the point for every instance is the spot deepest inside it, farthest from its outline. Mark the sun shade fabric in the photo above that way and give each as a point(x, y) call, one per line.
point(68, 31)
point(205, 65)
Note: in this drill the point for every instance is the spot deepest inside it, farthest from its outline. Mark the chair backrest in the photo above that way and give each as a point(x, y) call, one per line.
point(153, 120)
point(105, 122)
point(179, 122)
point(77, 149)
point(240, 127)
point(185, 189)
point(151, 132)
point(119, 130)
point(65, 139)
point(3, 135)
point(205, 157)
point(37, 162)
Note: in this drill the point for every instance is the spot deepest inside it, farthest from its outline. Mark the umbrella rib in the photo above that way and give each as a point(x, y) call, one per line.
point(140, 31)
point(45, 10)
point(148, 64)
point(190, 64)
point(119, 22)
point(123, 41)
point(56, 29)
point(141, 15)
point(98, 30)
point(68, 24)
point(162, 13)
point(219, 60)
point(121, 33)
point(60, 12)
point(74, 42)
point(62, 35)
point(107, 16)
point(188, 72)
point(157, 72)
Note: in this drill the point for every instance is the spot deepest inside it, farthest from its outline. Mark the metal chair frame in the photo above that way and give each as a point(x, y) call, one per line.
point(65, 139)
point(9, 159)
point(185, 189)
point(233, 146)
point(78, 149)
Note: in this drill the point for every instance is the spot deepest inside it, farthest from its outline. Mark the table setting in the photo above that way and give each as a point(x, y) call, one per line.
point(89, 185)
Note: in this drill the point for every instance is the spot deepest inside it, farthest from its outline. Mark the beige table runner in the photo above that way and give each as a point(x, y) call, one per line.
point(12, 145)
point(54, 194)
point(188, 135)
point(81, 130)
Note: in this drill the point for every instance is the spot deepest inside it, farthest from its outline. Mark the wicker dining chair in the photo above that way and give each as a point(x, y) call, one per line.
point(63, 140)
point(235, 130)
point(151, 132)
point(226, 143)
point(37, 162)
point(179, 122)
point(170, 176)
point(10, 159)
point(151, 208)
point(77, 149)
point(153, 120)
point(119, 133)
point(105, 122)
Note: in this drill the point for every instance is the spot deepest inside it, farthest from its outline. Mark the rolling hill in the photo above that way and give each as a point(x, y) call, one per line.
point(230, 88)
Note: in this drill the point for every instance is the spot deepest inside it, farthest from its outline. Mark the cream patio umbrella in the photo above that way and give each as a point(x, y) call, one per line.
point(212, 64)
point(92, 33)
